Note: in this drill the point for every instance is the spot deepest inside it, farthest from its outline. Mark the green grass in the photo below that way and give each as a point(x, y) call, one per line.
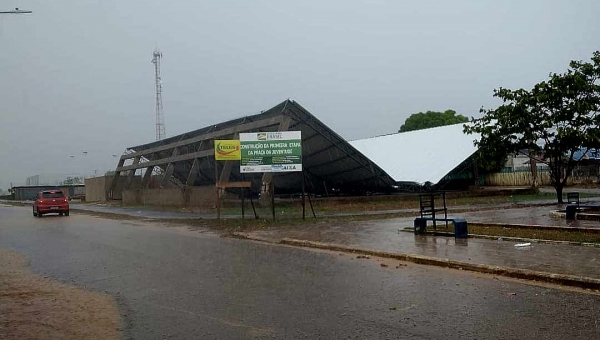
point(553, 235)
point(525, 233)
point(232, 225)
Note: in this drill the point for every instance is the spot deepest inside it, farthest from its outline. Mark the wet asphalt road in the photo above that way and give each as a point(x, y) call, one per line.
point(174, 283)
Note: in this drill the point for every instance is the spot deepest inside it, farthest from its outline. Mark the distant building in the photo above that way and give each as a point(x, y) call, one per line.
point(53, 180)
point(28, 193)
point(32, 180)
point(585, 154)
point(521, 162)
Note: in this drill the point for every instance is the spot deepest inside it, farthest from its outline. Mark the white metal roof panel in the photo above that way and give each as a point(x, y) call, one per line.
point(419, 156)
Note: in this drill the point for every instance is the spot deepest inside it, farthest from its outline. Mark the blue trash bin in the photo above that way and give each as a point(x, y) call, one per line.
point(460, 228)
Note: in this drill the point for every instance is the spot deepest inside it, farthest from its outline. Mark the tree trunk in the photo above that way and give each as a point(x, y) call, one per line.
point(559, 192)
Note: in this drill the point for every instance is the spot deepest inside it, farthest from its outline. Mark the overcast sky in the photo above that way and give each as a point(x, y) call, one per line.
point(76, 74)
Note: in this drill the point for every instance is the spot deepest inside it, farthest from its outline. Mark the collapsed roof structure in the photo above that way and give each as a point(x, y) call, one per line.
point(330, 163)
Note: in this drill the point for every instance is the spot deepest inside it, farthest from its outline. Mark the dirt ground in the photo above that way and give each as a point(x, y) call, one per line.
point(34, 307)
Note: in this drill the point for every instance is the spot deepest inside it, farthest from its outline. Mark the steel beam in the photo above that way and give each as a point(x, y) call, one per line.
point(146, 178)
point(321, 150)
point(131, 173)
point(169, 170)
point(211, 135)
point(115, 180)
point(195, 169)
point(191, 178)
point(168, 160)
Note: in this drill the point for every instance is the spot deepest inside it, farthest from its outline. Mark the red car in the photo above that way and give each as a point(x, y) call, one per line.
point(52, 201)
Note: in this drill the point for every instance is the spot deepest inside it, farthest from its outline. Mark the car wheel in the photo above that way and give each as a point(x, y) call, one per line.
point(34, 213)
point(66, 213)
point(39, 214)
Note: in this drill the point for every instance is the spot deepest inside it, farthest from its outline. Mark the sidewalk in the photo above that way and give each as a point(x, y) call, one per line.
point(384, 236)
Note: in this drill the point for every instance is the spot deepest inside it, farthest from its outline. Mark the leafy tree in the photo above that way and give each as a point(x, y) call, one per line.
point(429, 119)
point(552, 121)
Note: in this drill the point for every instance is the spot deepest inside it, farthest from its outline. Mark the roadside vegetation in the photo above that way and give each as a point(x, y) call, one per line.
point(542, 234)
point(550, 234)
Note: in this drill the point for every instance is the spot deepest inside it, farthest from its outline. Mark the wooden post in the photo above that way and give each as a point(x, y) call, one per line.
point(243, 192)
point(253, 209)
point(303, 200)
point(218, 191)
point(251, 201)
point(311, 207)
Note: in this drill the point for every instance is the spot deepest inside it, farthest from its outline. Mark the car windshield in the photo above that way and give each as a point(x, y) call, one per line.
point(52, 195)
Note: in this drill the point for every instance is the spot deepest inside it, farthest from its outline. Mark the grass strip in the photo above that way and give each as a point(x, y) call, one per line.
point(553, 235)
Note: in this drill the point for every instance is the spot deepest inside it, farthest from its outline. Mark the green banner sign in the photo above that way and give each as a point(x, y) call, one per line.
point(271, 151)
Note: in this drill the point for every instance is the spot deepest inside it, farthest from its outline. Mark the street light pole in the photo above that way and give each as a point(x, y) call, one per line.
point(17, 11)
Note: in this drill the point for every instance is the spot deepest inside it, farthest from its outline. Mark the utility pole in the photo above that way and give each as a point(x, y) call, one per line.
point(160, 120)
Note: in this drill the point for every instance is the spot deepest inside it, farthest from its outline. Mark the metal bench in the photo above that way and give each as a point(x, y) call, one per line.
point(429, 209)
point(573, 198)
point(460, 225)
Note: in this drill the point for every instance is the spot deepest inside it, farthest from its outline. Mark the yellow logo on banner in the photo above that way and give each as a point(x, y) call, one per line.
point(227, 150)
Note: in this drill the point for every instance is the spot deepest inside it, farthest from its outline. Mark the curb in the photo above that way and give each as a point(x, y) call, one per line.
point(510, 238)
point(536, 240)
point(536, 226)
point(525, 274)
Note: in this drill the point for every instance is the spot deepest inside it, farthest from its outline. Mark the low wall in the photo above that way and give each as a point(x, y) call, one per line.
point(131, 197)
point(202, 197)
point(95, 189)
point(188, 197)
point(162, 197)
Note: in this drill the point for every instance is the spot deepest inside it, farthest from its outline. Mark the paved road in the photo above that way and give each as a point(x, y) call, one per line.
point(174, 283)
